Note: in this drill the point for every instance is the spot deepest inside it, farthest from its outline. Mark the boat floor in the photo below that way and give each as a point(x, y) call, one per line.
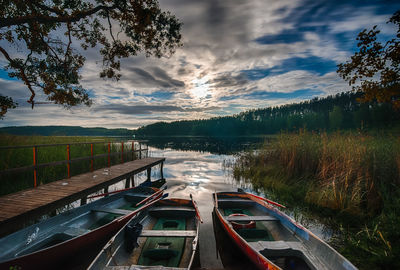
point(153, 237)
point(287, 249)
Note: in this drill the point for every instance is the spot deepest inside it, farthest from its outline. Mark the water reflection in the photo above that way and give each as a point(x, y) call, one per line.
point(201, 173)
point(215, 145)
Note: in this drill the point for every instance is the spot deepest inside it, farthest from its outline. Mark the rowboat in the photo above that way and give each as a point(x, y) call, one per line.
point(165, 238)
point(270, 238)
point(58, 242)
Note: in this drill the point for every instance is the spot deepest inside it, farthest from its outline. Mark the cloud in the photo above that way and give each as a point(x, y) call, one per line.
point(158, 78)
point(237, 55)
point(146, 109)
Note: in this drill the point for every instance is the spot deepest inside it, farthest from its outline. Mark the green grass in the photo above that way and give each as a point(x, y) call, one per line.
point(353, 179)
point(14, 158)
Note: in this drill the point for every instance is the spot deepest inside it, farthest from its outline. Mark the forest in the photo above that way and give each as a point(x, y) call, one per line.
point(65, 131)
point(338, 112)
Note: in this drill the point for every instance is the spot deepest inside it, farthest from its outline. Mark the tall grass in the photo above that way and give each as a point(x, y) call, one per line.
point(14, 158)
point(353, 177)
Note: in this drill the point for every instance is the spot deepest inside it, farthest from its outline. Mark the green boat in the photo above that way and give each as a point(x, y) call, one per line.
point(165, 238)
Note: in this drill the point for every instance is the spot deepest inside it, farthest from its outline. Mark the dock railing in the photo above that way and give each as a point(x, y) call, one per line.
point(102, 154)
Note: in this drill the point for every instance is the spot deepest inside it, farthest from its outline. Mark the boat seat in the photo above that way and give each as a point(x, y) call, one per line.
point(171, 208)
point(251, 218)
point(169, 233)
point(235, 203)
point(112, 210)
point(287, 248)
point(172, 211)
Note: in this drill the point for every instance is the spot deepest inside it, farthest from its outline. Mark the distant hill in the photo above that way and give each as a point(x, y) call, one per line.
point(65, 131)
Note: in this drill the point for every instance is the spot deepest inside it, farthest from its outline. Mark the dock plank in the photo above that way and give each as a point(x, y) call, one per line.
point(21, 207)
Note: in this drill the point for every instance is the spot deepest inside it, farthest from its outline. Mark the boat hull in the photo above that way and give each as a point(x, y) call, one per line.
point(256, 258)
point(72, 252)
point(278, 240)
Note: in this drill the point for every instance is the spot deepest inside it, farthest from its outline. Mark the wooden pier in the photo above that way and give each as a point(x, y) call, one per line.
point(17, 209)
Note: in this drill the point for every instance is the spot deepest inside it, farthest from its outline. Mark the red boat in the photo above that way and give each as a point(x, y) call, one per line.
point(69, 239)
point(270, 238)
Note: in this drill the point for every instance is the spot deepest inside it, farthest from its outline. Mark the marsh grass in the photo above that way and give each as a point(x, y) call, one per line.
point(352, 178)
point(14, 158)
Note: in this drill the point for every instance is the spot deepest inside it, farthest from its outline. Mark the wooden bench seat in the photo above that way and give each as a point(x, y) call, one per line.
point(112, 210)
point(168, 233)
point(251, 218)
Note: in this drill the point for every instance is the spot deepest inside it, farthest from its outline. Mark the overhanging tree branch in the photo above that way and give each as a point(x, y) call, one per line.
point(39, 18)
point(53, 65)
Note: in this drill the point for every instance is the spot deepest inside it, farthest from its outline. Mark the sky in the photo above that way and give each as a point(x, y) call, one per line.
point(237, 55)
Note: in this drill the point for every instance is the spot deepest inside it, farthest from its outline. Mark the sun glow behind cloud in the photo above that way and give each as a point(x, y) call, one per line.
point(200, 88)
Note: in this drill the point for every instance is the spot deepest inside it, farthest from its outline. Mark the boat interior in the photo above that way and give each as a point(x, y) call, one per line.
point(71, 224)
point(264, 231)
point(165, 237)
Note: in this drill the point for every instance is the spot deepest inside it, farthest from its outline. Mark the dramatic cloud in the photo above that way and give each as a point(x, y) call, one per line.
point(237, 55)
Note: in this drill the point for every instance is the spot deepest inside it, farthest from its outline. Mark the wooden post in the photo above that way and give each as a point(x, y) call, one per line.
point(133, 150)
point(122, 152)
point(34, 164)
point(91, 153)
point(109, 150)
point(127, 182)
point(140, 150)
point(149, 174)
point(83, 200)
point(69, 161)
point(161, 170)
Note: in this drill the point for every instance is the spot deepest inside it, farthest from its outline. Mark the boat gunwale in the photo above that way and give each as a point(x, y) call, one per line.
point(108, 199)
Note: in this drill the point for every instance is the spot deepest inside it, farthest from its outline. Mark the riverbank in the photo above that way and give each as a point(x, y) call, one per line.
point(352, 179)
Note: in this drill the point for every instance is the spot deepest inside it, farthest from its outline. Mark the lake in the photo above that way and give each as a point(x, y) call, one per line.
point(197, 166)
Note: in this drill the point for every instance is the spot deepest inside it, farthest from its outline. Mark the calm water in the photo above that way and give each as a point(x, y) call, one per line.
point(200, 173)
point(197, 166)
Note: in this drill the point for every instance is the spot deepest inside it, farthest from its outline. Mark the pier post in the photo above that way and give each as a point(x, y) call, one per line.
point(35, 164)
point(122, 152)
point(83, 200)
point(69, 161)
point(108, 151)
point(91, 160)
point(149, 174)
point(127, 182)
point(161, 170)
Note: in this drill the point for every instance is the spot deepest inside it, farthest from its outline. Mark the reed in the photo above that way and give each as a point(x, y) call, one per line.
point(352, 178)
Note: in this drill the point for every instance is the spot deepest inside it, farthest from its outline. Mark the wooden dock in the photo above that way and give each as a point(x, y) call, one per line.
point(18, 209)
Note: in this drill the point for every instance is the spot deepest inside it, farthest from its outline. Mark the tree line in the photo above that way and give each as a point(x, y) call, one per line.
point(341, 111)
